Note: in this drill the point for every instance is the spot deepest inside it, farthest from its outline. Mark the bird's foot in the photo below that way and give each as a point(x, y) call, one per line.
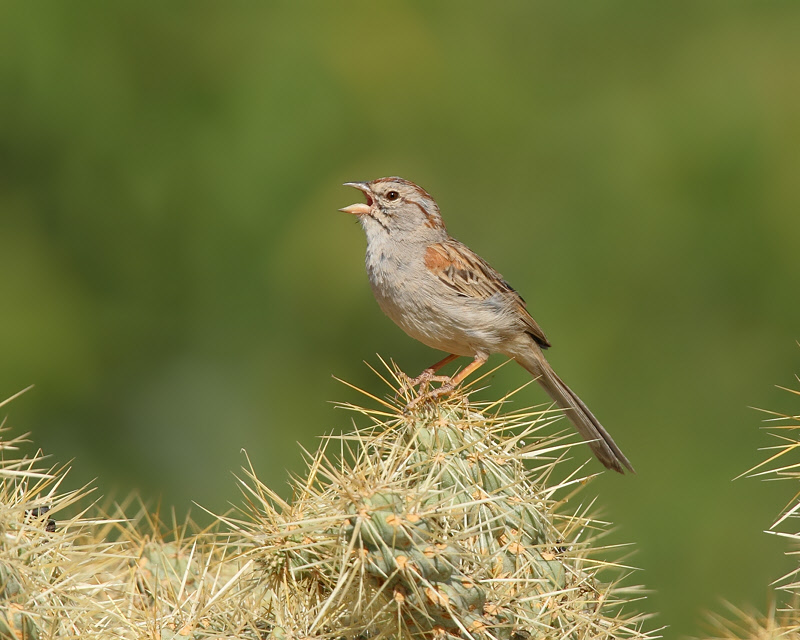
point(422, 381)
point(448, 385)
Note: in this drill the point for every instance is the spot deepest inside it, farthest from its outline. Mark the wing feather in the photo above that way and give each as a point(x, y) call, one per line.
point(461, 269)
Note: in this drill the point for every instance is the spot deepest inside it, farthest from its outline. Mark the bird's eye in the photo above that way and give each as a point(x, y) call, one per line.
point(393, 195)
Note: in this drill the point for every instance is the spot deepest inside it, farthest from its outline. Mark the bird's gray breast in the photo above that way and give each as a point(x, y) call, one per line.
point(418, 302)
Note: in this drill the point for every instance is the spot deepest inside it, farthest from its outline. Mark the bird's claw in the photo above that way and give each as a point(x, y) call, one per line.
point(447, 386)
point(422, 381)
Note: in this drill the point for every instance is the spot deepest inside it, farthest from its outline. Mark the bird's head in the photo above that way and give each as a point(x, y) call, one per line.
point(395, 205)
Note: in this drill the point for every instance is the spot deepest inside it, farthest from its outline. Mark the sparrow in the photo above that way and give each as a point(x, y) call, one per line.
point(446, 296)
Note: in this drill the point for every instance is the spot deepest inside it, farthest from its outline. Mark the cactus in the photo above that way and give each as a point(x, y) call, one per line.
point(43, 572)
point(177, 581)
point(436, 523)
point(441, 522)
point(96, 575)
point(782, 621)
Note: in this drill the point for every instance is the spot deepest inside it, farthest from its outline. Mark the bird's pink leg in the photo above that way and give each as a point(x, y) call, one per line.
point(456, 380)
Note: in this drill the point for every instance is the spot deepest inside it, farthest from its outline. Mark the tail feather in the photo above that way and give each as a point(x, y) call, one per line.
point(589, 427)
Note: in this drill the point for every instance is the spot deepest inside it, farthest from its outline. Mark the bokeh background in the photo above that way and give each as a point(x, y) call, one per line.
point(176, 281)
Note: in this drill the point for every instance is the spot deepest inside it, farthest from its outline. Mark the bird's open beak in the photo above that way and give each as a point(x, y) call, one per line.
point(359, 209)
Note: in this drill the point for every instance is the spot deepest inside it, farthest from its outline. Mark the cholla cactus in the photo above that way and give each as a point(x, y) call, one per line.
point(751, 625)
point(784, 621)
point(174, 581)
point(44, 573)
point(98, 575)
point(437, 523)
point(442, 522)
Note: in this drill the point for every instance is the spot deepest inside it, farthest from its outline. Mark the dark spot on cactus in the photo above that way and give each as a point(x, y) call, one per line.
point(38, 512)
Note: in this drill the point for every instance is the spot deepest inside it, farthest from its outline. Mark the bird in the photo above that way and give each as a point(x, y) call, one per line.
point(443, 294)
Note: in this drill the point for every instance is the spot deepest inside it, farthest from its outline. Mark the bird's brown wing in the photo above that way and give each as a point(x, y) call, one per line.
point(461, 269)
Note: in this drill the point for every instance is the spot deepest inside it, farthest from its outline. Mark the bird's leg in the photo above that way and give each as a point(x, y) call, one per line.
point(456, 380)
point(451, 383)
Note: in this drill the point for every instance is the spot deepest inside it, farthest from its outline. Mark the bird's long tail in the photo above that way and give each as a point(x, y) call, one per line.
point(587, 425)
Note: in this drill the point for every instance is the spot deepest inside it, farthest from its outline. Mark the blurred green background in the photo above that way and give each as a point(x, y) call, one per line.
point(177, 282)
